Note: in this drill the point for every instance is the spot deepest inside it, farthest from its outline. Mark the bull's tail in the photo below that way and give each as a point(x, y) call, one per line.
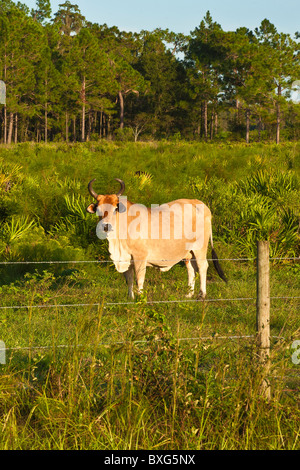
point(216, 261)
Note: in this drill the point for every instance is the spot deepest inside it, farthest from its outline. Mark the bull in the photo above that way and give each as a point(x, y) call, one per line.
point(160, 236)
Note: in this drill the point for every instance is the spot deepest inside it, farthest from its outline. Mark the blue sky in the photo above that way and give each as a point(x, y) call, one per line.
point(182, 16)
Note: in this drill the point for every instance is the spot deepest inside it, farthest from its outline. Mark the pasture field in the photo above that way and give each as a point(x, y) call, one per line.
point(87, 369)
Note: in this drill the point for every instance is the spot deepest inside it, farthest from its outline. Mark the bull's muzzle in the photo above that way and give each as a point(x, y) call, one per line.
point(107, 227)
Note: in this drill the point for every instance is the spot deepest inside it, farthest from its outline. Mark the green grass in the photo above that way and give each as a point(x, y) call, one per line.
point(140, 375)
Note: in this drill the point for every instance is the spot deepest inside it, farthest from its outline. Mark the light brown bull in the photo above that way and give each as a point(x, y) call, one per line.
point(160, 236)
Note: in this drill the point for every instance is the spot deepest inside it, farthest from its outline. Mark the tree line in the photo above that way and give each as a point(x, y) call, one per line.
point(70, 79)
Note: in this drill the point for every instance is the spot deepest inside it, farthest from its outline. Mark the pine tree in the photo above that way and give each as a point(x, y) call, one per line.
point(20, 45)
point(42, 11)
point(163, 81)
point(201, 60)
point(69, 18)
point(91, 74)
point(67, 70)
point(122, 51)
point(282, 54)
point(48, 78)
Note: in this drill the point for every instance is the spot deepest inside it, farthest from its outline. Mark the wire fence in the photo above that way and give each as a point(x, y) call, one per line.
point(5, 263)
point(149, 302)
point(137, 303)
point(109, 304)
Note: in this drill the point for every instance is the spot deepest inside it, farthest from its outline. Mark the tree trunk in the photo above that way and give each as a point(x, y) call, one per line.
point(201, 122)
point(74, 129)
point(10, 128)
point(46, 111)
point(237, 117)
point(109, 136)
point(67, 126)
point(104, 126)
point(216, 123)
point(46, 122)
point(5, 110)
point(212, 125)
point(16, 128)
point(278, 116)
point(100, 124)
point(83, 110)
point(83, 124)
point(90, 123)
point(259, 129)
point(5, 124)
point(205, 119)
point(121, 98)
point(247, 125)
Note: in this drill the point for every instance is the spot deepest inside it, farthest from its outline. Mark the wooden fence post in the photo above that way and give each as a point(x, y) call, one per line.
point(263, 313)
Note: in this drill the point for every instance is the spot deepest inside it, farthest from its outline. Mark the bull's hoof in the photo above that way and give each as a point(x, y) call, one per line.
point(201, 296)
point(190, 295)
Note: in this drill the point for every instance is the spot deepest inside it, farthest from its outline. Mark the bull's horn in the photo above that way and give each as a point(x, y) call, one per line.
point(122, 187)
point(90, 188)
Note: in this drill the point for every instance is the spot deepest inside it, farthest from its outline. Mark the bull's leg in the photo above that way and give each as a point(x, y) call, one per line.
point(140, 271)
point(191, 277)
point(129, 279)
point(202, 267)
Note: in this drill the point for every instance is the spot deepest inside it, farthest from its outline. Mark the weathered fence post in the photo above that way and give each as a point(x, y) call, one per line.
point(263, 312)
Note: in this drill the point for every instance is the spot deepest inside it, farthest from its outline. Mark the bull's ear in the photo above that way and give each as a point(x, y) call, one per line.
point(121, 208)
point(91, 208)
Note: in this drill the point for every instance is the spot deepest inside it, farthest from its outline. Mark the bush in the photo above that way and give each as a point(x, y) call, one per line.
point(124, 135)
point(29, 243)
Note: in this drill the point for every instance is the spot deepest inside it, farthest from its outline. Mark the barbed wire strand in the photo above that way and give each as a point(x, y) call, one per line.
point(109, 304)
point(6, 263)
point(149, 302)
